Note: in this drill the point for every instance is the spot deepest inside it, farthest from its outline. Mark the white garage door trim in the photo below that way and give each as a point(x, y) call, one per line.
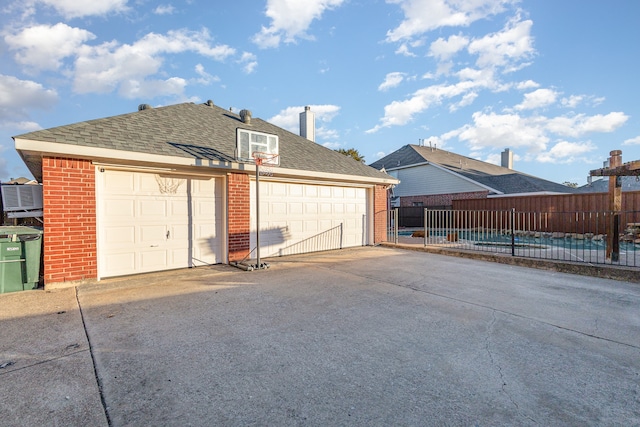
point(297, 217)
point(153, 221)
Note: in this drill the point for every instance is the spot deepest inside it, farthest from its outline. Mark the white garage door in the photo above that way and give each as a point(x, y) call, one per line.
point(299, 218)
point(148, 222)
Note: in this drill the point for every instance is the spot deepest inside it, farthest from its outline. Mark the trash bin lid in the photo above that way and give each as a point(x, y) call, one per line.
point(19, 229)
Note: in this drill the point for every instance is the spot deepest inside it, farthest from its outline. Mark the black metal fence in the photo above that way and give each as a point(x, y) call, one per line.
point(564, 236)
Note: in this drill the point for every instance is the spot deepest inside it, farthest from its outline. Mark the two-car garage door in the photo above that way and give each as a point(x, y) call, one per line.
point(153, 222)
point(299, 217)
point(150, 222)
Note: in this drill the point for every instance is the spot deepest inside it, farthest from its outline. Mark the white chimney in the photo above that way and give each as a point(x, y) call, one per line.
point(507, 159)
point(308, 124)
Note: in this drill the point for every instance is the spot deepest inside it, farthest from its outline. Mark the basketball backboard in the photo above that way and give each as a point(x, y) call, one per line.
point(250, 142)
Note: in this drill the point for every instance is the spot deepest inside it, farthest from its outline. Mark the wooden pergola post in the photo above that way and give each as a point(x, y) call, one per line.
point(615, 172)
point(615, 206)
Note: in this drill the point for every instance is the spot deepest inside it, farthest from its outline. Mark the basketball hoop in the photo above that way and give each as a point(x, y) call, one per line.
point(168, 185)
point(265, 162)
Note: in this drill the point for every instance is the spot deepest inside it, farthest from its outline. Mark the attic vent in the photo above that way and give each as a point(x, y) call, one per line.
point(245, 115)
point(209, 103)
point(144, 107)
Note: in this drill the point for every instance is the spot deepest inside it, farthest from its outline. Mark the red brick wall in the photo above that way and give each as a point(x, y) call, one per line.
point(380, 209)
point(239, 212)
point(441, 200)
point(69, 198)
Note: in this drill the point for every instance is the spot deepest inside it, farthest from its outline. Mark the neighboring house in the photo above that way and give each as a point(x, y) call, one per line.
point(432, 177)
point(601, 185)
point(21, 181)
point(174, 187)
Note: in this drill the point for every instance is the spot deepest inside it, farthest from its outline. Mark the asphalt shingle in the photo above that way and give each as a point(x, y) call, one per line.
point(202, 131)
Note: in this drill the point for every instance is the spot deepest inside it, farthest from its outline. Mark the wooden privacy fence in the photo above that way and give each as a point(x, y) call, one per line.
point(581, 202)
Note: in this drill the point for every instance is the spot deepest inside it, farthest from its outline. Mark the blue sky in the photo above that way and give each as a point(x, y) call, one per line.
point(554, 81)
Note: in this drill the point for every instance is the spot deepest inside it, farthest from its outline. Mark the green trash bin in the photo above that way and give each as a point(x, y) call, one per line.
point(20, 249)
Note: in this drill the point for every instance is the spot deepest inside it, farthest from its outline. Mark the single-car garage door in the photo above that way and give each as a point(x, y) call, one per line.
point(299, 218)
point(151, 222)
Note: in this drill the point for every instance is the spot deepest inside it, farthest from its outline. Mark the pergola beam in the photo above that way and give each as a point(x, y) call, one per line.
point(627, 169)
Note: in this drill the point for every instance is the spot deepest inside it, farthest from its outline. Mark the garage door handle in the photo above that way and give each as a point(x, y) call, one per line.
point(168, 233)
point(154, 246)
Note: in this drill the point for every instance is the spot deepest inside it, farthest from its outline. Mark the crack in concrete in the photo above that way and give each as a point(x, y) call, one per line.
point(103, 400)
point(498, 367)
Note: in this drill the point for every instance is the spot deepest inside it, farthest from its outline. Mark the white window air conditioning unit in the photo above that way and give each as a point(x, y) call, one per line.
point(22, 201)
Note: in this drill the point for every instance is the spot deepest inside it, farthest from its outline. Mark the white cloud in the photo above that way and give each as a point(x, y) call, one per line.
point(526, 85)
point(205, 78)
point(164, 10)
point(249, 62)
point(506, 48)
point(43, 47)
point(533, 134)
point(289, 118)
point(79, 8)
point(403, 49)
point(566, 152)
point(444, 49)
point(466, 100)
point(290, 20)
point(332, 145)
point(151, 88)
point(572, 101)
point(537, 99)
point(399, 113)
point(17, 97)
point(421, 16)
point(632, 141)
point(500, 130)
point(391, 80)
point(581, 124)
point(104, 68)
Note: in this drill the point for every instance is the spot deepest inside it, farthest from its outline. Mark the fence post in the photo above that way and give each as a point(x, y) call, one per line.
point(395, 226)
point(513, 232)
point(424, 225)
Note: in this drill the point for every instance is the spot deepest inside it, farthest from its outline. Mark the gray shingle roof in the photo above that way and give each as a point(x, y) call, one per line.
point(629, 183)
point(198, 130)
point(505, 180)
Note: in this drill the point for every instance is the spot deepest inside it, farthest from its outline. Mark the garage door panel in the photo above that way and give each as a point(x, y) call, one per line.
point(125, 235)
point(153, 259)
point(119, 208)
point(310, 218)
point(147, 226)
point(276, 208)
point(119, 182)
point(295, 208)
point(151, 234)
point(152, 208)
point(121, 263)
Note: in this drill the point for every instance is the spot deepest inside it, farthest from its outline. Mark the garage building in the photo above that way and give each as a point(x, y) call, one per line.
point(175, 187)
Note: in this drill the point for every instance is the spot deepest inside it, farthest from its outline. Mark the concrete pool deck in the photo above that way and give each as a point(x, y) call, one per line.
point(605, 271)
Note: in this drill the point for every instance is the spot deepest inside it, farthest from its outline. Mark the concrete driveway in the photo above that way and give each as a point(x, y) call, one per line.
point(366, 336)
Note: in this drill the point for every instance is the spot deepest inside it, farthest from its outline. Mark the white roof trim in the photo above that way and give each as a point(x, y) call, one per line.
point(533, 193)
point(109, 155)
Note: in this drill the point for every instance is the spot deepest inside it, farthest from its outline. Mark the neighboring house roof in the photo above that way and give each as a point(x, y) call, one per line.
point(22, 180)
point(501, 179)
point(199, 134)
point(629, 183)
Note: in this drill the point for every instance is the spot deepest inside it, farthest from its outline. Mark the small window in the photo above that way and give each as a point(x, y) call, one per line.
point(248, 142)
point(417, 204)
